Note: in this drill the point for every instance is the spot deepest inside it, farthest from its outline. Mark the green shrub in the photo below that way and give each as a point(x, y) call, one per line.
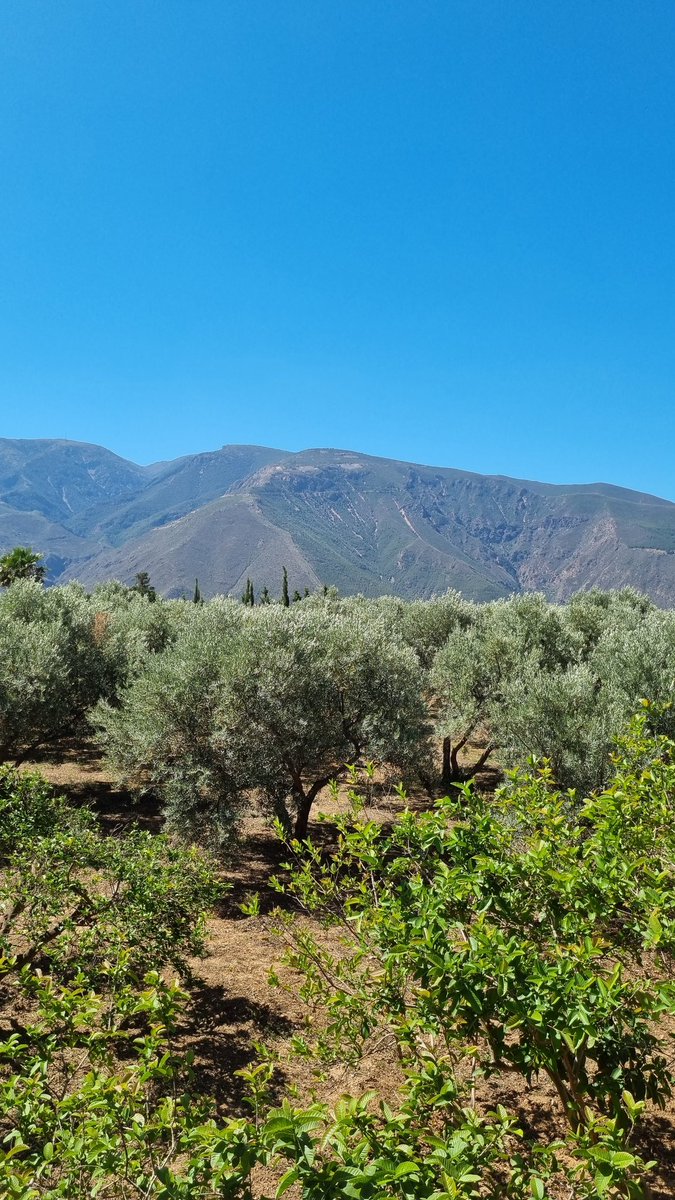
point(486, 938)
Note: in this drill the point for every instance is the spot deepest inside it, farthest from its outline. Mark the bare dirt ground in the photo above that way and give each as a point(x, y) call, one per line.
point(234, 1007)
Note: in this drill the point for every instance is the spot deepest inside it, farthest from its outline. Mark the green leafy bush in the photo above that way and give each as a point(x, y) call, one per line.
point(482, 938)
point(534, 935)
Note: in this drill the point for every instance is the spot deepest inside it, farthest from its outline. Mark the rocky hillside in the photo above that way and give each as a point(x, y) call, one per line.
point(366, 524)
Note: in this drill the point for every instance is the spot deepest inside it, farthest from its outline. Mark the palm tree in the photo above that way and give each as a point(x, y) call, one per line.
point(21, 563)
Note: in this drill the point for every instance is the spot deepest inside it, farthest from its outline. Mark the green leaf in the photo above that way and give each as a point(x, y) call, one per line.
point(406, 1168)
point(655, 929)
point(622, 1159)
point(287, 1181)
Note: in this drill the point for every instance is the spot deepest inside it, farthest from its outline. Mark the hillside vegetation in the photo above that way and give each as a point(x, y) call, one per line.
point(487, 948)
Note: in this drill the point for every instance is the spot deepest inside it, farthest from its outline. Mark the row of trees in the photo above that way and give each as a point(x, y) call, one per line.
point(25, 563)
point(206, 703)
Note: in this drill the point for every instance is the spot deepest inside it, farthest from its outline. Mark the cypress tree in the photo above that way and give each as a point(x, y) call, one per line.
point(265, 596)
point(296, 596)
point(285, 598)
point(197, 598)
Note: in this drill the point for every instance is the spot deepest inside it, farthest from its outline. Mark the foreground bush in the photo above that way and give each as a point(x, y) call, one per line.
point(534, 937)
point(87, 923)
point(96, 1100)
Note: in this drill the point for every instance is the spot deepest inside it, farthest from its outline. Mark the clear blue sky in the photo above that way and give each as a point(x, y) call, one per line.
point(436, 231)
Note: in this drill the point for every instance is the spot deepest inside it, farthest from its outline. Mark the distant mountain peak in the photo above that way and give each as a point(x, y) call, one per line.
point(331, 516)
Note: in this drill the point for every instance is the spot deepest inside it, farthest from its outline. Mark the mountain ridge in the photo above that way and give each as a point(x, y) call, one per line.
point(361, 522)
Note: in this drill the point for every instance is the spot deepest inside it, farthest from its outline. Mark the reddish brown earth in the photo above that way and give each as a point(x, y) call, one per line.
point(233, 1005)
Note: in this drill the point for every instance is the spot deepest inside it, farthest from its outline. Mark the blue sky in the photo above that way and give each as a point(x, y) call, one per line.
point(434, 231)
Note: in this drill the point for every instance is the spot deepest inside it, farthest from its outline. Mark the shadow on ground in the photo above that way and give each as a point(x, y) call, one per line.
point(222, 1030)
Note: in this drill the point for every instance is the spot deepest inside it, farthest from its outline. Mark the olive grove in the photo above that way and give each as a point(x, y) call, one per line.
point(211, 706)
point(513, 938)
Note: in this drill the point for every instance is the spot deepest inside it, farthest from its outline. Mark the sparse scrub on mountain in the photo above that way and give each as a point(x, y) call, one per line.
point(369, 525)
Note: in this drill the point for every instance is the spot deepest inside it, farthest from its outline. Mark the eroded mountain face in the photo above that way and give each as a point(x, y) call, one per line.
point(365, 524)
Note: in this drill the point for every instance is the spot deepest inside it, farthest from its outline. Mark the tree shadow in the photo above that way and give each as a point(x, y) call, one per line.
point(81, 768)
point(655, 1141)
point(119, 812)
point(222, 1030)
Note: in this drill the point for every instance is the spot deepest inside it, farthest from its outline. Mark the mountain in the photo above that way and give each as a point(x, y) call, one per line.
point(365, 524)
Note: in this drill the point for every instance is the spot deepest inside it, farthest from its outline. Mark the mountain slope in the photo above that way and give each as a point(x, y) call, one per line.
point(221, 544)
point(362, 523)
point(63, 479)
point(177, 488)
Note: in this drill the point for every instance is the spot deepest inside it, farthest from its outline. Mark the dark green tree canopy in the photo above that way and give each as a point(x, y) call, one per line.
point(143, 586)
point(21, 563)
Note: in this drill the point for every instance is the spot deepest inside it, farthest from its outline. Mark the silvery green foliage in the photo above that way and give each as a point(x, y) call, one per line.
point(61, 650)
point(636, 658)
point(425, 625)
point(566, 716)
point(160, 735)
point(474, 671)
point(50, 668)
point(556, 681)
point(129, 628)
point(271, 699)
point(590, 613)
point(573, 715)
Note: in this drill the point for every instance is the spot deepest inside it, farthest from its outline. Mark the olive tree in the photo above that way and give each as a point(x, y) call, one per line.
point(474, 672)
point(275, 699)
point(129, 626)
point(572, 715)
point(425, 625)
point(553, 681)
point(51, 669)
point(590, 613)
point(158, 734)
